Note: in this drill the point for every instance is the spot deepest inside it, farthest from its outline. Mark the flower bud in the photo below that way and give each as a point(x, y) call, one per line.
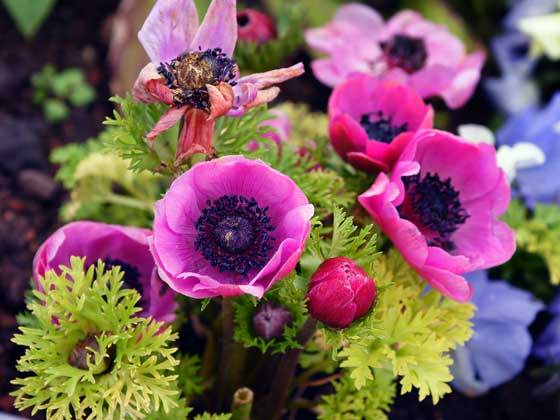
point(84, 351)
point(254, 26)
point(340, 292)
point(270, 319)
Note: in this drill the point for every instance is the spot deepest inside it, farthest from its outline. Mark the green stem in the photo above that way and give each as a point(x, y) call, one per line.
point(242, 404)
point(285, 372)
point(130, 202)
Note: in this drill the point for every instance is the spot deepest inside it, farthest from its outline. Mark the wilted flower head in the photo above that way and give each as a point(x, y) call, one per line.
point(340, 292)
point(192, 71)
point(229, 226)
point(255, 26)
point(540, 127)
point(270, 319)
point(368, 118)
point(501, 341)
point(440, 207)
point(122, 246)
point(406, 48)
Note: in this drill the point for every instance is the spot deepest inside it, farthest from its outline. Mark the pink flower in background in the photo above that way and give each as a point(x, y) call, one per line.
point(192, 71)
point(340, 292)
point(115, 245)
point(255, 26)
point(407, 48)
point(230, 226)
point(440, 208)
point(281, 129)
point(370, 121)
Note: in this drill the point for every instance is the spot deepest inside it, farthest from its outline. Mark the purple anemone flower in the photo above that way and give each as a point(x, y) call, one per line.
point(193, 72)
point(115, 245)
point(281, 129)
point(501, 342)
point(547, 346)
point(539, 184)
point(407, 48)
point(368, 119)
point(229, 226)
point(440, 206)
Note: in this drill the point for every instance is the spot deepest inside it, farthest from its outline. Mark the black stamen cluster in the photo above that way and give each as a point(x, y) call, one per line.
point(233, 234)
point(436, 206)
point(188, 75)
point(406, 52)
point(381, 128)
point(131, 278)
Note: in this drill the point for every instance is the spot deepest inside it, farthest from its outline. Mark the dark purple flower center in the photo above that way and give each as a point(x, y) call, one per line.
point(406, 52)
point(188, 75)
point(243, 19)
point(131, 278)
point(381, 128)
point(233, 234)
point(434, 205)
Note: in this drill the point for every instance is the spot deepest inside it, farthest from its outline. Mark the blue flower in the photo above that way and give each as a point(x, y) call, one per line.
point(501, 343)
point(547, 346)
point(527, 8)
point(542, 128)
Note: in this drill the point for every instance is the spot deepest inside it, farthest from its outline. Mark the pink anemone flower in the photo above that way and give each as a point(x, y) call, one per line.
point(440, 208)
point(368, 119)
point(230, 226)
point(193, 72)
point(115, 245)
point(407, 48)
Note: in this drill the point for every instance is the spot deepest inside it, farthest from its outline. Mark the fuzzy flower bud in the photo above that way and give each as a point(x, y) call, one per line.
point(254, 26)
point(340, 292)
point(270, 319)
point(84, 352)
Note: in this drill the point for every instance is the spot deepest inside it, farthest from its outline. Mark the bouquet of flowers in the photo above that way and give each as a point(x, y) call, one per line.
point(229, 259)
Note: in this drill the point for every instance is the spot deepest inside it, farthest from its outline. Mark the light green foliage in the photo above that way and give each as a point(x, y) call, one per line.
point(208, 416)
point(253, 57)
point(68, 158)
point(315, 12)
point(106, 189)
point(290, 293)
point(126, 134)
point(83, 301)
point(190, 381)
point(539, 234)
point(29, 15)
point(372, 401)
point(56, 91)
point(307, 127)
point(344, 239)
point(409, 331)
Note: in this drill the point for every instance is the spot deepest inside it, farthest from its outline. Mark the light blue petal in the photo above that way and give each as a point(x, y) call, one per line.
point(464, 376)
point(512, 93)
point(526, 8)
point(547, 346)
point(511, 51)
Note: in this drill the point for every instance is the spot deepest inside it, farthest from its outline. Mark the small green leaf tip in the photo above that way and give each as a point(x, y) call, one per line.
point(99, 360)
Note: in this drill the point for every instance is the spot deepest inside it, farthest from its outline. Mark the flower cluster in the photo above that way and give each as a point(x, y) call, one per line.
point(347, 243)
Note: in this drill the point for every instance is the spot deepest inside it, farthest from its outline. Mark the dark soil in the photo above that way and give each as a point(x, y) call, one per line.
point(74, 36)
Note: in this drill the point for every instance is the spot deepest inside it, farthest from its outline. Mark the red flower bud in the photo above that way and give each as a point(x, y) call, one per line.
point(254, 26)
point(340, 292)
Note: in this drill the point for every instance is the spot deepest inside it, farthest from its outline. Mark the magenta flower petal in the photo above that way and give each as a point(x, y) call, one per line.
point(229, 226)
point(440, 208)
point(218, 29)
point(169, 29)
point(115, 245)
point(372, 121)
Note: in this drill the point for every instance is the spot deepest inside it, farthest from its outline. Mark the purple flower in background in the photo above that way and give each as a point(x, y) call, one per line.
point(407, 48)
point(501, 342)
point(547, 346)
point(193, 72)
point(115, 245)
point(542, 128)
point(230, 226)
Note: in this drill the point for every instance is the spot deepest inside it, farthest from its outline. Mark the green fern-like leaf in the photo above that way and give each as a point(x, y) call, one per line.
point(79, 303)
